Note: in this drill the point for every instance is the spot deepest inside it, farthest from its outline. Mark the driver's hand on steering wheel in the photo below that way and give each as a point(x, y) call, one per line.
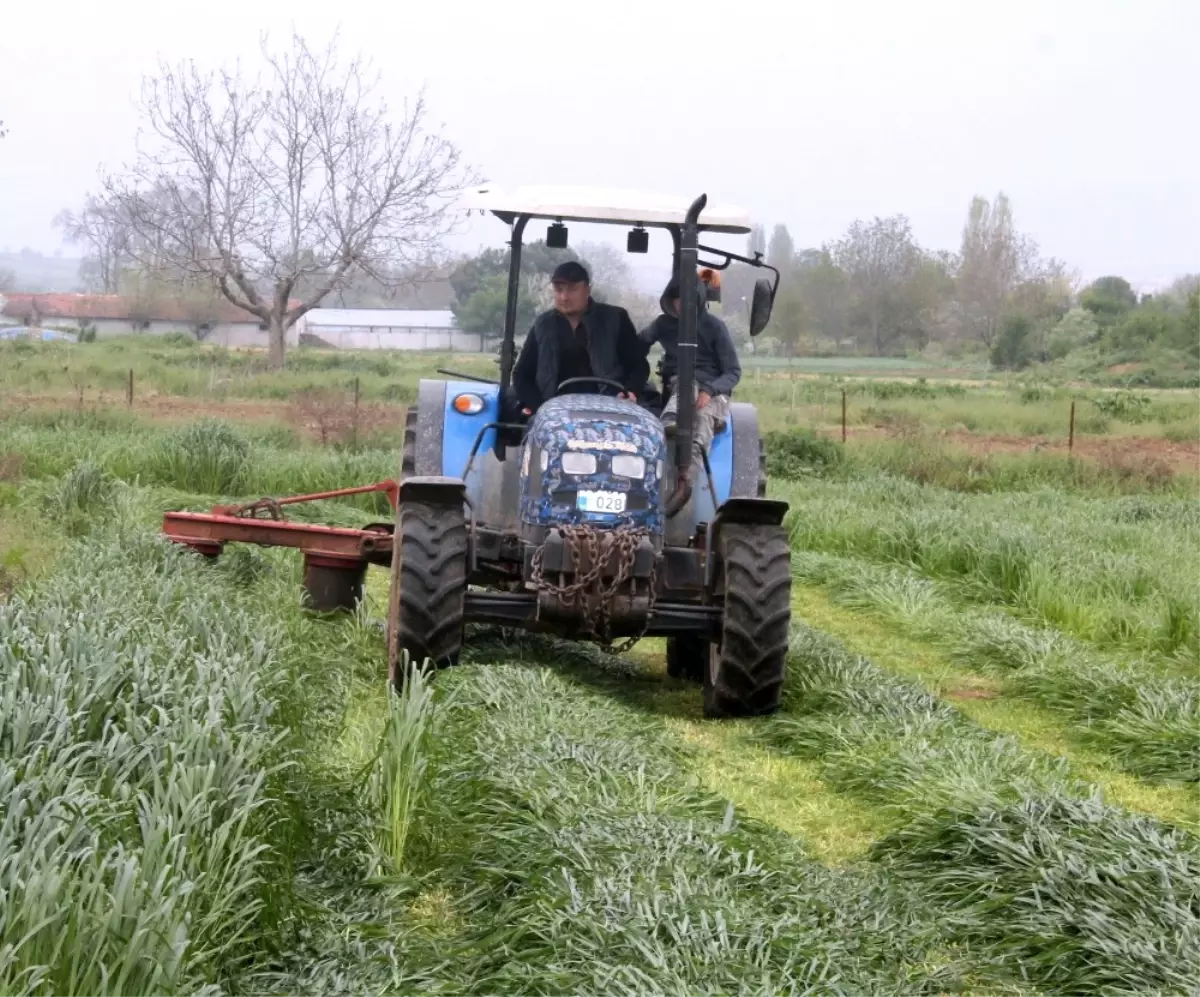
point(629, 395)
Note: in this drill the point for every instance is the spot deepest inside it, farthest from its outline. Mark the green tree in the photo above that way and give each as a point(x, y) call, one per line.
point(825, 293)
point(880, 260)
point(1075, 329)
point(486, 276)
point(1108, 299)
point(781, 249)
point(1011, 351)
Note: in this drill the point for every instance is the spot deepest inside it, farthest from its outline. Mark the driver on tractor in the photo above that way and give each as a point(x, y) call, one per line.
point(578, 338)
point(718, 370)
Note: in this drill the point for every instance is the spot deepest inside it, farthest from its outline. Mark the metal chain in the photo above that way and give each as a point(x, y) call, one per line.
point(599, 546)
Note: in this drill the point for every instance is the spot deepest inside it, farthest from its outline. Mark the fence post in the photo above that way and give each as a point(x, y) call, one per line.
point(355, 431)
point(1071, 431)
point(129, 389)
point(843, 415)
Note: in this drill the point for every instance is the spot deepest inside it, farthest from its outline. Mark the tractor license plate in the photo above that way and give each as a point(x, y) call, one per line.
point(602, 501)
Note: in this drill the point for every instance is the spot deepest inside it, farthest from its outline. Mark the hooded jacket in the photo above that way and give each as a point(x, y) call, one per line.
point(718, 370)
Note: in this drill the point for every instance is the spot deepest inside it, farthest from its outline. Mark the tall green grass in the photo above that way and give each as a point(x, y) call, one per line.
point(1120, 573)
point(135, 754)
point(400, 770)
point(1145, 716)
point(209, 458)
point(1039, 879)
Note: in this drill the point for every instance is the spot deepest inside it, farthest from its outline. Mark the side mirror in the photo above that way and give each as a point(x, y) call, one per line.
point(760, 305)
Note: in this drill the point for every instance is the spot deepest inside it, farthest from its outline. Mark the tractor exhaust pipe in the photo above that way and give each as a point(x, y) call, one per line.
point(685, 378)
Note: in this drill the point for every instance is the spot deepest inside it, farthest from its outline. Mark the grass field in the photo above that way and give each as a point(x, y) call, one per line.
point(984, 779)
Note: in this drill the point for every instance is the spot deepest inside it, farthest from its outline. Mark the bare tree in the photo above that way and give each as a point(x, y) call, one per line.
point(296, 184)
point(104, 233)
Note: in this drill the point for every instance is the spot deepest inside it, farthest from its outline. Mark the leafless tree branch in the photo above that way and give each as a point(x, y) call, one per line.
point(282, 189)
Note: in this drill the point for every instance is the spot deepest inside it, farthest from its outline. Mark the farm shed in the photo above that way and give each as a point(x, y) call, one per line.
point(387, 329)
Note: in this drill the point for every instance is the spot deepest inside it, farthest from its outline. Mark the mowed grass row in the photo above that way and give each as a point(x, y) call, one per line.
point(1144, 717)
point(1043, 882)
point(1119, 573)
point(564, 848)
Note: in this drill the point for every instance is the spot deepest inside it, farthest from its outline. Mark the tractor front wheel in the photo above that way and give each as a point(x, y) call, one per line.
point(429, 587)
point(746, 668)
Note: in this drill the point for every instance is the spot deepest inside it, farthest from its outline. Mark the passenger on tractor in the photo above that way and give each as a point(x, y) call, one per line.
point(718, 370)
point(578, 337)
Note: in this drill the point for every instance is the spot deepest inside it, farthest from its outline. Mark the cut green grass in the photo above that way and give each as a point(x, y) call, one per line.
point(984, 700)
point(1144, 716)
point(888, 741)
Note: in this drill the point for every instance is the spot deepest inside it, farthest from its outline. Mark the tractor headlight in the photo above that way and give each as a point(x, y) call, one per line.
point(579, 463)
point(629, 466)
point(468, 404)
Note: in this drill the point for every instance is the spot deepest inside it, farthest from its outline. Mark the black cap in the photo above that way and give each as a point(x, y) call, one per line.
point(571, 272)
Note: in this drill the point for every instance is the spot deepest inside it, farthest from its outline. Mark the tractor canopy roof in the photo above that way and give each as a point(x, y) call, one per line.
point(605, 206)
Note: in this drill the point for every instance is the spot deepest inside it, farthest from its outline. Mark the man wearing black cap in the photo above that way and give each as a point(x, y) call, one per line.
point(578, 337)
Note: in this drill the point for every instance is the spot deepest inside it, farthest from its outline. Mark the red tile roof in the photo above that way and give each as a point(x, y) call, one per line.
point(121, 308)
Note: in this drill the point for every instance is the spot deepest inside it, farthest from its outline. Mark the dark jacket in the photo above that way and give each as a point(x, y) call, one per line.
point(718, 370)
point(613, 346)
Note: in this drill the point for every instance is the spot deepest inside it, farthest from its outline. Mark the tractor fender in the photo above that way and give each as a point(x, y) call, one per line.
point(435, 489)
point(748, 511)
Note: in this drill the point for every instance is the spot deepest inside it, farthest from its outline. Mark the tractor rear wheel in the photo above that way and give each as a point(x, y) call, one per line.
point(687, 657)
point(429, 587)
point(746, 669)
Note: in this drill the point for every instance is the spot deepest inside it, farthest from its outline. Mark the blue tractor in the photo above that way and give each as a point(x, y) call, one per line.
point(584, 520)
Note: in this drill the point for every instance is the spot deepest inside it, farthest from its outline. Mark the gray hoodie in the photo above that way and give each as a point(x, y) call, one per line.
point(717, 368)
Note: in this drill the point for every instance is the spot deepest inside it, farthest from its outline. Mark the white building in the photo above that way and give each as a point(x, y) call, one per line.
point(387, 329)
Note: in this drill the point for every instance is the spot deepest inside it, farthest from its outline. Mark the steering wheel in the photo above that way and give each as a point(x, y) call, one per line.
point(593, 380)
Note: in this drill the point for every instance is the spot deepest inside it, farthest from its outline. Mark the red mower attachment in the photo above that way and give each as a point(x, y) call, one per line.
point(335, 558)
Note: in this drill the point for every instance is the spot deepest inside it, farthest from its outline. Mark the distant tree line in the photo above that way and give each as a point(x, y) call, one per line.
point(876, 291)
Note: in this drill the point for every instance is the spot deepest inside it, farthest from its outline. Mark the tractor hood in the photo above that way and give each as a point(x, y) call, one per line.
point(595, 460)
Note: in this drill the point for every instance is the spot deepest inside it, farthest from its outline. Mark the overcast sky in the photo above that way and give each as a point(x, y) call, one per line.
point(1082, 111)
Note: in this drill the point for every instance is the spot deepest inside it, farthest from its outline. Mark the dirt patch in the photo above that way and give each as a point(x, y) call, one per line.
point(970, 687)
point(1149, 453)
point(11, 465)
point(1126, 368)
point(329, 420)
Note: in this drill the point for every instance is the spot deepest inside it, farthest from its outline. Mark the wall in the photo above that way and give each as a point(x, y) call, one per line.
point(382, 338)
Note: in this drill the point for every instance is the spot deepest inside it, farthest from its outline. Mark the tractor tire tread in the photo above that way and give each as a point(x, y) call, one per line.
point(427, 602)
point(751, 660)
point(408, 453)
